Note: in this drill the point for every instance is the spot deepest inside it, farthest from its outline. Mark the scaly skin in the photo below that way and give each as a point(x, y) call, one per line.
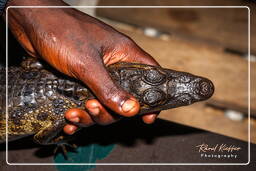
point(38, 98)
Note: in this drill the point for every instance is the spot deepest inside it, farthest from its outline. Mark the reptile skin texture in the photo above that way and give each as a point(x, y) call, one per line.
point(38, 96)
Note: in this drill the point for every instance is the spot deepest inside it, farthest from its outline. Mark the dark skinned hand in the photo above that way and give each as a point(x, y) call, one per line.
point(80, 46)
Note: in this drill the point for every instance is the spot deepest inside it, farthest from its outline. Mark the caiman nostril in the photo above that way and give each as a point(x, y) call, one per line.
point(206, 88)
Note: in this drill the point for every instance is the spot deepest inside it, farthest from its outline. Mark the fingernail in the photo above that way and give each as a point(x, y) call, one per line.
point(76, 119)
point(94, 111)
point(72, 130)
point(128, 105)
point(150, 119)
point(153, 117)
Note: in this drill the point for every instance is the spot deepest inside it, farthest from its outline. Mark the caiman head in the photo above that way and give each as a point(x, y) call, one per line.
point(158, 89)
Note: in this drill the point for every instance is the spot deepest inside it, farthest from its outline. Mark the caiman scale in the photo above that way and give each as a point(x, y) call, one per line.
point(38, 98)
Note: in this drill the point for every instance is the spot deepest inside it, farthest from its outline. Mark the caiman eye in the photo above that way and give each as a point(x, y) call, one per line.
point(153, 97)
point(153, 77)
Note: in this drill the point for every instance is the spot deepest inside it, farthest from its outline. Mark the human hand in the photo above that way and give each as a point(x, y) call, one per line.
point(80, 46)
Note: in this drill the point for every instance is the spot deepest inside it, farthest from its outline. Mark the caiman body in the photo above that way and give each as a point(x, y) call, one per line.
point(38, 98)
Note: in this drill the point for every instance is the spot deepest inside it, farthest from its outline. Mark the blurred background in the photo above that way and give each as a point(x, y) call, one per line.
point(211, 42)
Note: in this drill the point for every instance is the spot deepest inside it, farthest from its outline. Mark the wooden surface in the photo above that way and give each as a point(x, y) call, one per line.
point(210, 119)
point(225, 27)
point(227, 71)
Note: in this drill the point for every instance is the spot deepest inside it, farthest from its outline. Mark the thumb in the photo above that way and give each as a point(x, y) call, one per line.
point(98, 79)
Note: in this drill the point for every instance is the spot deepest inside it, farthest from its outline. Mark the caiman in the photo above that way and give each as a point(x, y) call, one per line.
point(38, 97)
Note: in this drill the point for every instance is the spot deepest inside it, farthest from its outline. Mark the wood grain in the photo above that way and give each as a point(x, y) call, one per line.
point(211, 119)
point(227, 27)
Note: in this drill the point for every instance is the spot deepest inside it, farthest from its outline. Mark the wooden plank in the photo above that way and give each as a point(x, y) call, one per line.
point(225, 27)
point(228, 72)
point(210, 119)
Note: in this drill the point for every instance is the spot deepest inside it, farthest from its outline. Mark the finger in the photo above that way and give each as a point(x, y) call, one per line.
point(99, 114)
point(70, 129)
point(79, 117)
point(149, 118)
point(107, 91)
